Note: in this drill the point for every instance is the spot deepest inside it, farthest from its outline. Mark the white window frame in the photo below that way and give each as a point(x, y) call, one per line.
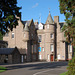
point(24, 35)
point(70, 48)
point(51, 47)
point(39, 38)
point(22, 58)
point(39, 56)
point(58, 56)
point(12, 36)
point(43, 49)
point(47, 26)
point(48, 56)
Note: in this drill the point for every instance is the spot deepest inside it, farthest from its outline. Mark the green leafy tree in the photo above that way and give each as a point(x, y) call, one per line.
point(67, 7)
point(71, 67)
point(1, 36)
point(8, 13)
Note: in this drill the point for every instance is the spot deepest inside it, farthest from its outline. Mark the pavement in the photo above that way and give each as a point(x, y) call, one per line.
point(36, 68)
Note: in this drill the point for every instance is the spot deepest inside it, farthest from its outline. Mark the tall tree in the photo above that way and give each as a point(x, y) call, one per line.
point(67, 7)
point(8, 13)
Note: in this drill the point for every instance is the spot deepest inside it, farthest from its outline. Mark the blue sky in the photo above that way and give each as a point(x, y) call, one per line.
point(33, 9)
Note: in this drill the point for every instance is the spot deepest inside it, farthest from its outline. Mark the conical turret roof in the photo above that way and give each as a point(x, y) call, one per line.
point(49, 19)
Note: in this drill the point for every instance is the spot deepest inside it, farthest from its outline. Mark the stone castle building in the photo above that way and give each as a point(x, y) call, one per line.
point(40, 41)
point(24, 37)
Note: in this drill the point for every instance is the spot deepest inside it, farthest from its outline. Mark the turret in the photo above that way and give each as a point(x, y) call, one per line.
point(49, 25)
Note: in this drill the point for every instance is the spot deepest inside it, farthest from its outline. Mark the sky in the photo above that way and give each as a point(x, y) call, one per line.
point(39, 10)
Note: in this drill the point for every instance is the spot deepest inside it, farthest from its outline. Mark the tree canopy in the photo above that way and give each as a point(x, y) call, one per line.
point(8, 12)
point(67, 7)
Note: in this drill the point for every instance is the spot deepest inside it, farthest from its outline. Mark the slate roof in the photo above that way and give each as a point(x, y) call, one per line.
point(6, 50)
point(26, 24)
point(49, 19)
point(61, 24)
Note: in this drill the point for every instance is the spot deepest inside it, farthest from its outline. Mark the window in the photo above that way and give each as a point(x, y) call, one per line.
point(6, 57)
point(48, 56)
point(22, 60)
point(39, 56)
point(32, 35)
point(58, 56)
point(70, 48)
point(48, 26)
point(39, 38)
point(51, 47)
point(25, 56)
point(43, 48)
point(12, 35)
point(51, 35)
point(24, 35)
point(34, 48)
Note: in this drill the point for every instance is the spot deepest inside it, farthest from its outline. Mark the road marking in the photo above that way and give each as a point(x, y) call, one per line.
point(45, 70)
point(42, 72)
point(48, 70)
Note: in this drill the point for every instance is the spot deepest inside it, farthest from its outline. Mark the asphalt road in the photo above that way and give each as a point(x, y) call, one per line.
point(36, 68)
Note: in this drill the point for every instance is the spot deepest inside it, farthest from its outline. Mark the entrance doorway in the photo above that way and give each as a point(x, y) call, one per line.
point(51, 57)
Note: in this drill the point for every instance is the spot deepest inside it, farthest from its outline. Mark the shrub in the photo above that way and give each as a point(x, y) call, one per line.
point(71, 66)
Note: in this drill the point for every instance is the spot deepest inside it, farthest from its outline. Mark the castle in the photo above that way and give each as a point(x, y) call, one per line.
point(40, 41)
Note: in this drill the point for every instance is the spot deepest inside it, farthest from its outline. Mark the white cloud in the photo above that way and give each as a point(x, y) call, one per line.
point(35, 5)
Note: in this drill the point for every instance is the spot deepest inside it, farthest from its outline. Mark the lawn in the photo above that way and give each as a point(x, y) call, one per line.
point(2, 69)
point(63, 73)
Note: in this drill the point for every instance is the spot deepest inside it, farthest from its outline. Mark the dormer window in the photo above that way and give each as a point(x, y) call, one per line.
point(40, 26)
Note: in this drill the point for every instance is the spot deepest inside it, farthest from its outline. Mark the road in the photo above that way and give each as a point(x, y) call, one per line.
point(36, 68)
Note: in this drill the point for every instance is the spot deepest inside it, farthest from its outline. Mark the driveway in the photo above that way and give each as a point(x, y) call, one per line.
point(36, 68)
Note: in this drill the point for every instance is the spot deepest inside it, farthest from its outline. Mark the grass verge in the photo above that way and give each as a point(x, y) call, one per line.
point(2, 69)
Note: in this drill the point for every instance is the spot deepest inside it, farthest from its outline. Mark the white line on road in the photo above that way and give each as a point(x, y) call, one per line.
point(48, 70)
point(42, 72)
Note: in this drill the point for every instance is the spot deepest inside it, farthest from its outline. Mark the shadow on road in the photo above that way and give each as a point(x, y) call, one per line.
point(37, 66)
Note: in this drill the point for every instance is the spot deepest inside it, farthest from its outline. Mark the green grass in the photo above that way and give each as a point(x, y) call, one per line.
point(63, 73)
point(2, 69)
